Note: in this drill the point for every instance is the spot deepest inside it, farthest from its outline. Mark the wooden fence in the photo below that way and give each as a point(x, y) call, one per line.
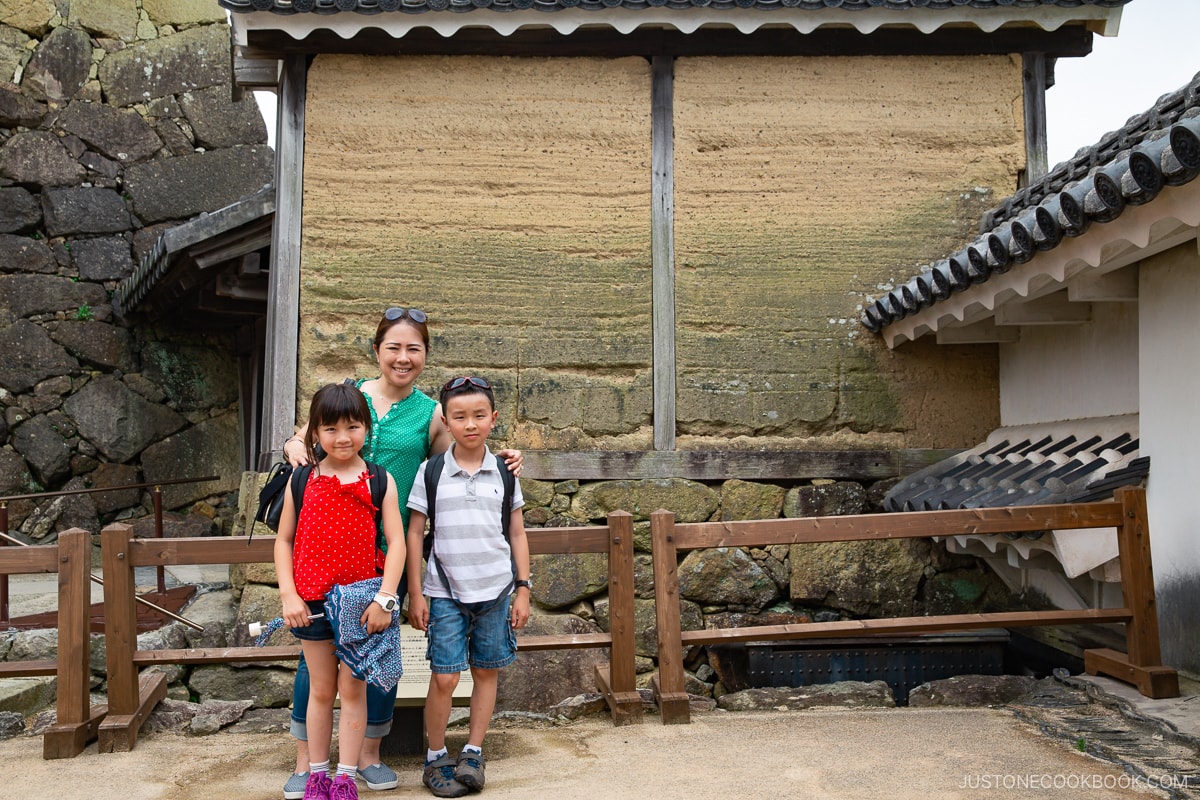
point(131, 697)
point(70, 557)
point(1140, 664)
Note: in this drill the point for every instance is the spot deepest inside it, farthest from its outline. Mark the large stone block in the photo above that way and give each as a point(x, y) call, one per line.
point(726, 576)
point(119, 422)
point(31, 16)
point(832, 499)
point(59, 66)
point(178, 188)
point(120, 134)
point(877, 578)
point(108, 474)
point(27, 295)
point(192, 59)
point(183, 13)
point(98, 343)
point(44, 449)
point(111, 19)
point(267, 688)
point(217, 121)
point(211, 448)
point(105, 258)
point(38, 158)
point(538, 680)
point(645, 622)
point(28, 356)
point(193, 377)
point(20, 211)
point(84, 210)
point(563, 580)
point(690, 501)
point(16, 110)
point(22, 254)
point(745, 500)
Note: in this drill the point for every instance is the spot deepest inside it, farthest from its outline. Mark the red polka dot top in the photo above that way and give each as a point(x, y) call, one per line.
point(335, 535)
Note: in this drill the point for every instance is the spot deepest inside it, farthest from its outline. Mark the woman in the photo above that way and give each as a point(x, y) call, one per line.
point(406, 429)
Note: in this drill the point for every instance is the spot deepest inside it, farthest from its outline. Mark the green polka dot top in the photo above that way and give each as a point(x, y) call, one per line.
point(399, 441)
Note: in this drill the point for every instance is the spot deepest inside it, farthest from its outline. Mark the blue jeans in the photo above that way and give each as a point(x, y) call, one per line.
point(478, 634)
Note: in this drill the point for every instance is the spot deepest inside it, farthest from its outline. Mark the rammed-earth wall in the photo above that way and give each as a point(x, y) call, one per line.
point(511, 199)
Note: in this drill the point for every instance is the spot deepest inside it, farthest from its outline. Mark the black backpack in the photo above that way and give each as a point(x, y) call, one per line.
point(433, 471)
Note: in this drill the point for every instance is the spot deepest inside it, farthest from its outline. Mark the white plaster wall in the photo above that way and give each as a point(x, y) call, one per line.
point(1170, 433)
point(1058, 372)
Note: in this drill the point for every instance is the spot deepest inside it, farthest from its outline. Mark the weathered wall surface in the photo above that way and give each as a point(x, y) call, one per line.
point(510, 198)
point(506, 197)
point(116, 122)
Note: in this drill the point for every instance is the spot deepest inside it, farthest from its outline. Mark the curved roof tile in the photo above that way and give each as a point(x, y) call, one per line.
point(420, 6)
point(1127, 167)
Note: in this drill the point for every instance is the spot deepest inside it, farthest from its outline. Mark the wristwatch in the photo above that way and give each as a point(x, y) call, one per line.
point(520, 583)
point(387, 602)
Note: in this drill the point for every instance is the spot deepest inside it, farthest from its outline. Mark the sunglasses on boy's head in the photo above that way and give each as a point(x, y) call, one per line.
point(455, 383)
point(396, 312)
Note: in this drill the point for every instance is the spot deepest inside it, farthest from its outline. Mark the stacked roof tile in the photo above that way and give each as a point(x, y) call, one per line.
point(1127, 167)
point(418, 6)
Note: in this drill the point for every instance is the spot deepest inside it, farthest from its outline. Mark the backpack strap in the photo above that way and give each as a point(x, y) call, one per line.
point(433, 472)
point(298, 484)
point(510, 489)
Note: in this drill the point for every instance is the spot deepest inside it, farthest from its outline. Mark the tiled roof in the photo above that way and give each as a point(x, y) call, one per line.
point(1065, 462)
point(1127, 167)
point(418, 6)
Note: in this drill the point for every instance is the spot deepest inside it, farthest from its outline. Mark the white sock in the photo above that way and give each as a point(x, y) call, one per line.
point(319, 769)
point(346, 769)
point(434, 755)
point(470, 748)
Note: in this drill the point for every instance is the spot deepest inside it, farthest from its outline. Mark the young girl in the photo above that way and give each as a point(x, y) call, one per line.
point(333, 543)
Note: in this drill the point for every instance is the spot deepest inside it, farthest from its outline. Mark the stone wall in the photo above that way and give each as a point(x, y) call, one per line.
point(116, 122)
point(510, 198)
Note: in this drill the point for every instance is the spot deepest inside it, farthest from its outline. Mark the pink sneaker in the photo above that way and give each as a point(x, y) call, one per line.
point(318, 787)
point(343, 788)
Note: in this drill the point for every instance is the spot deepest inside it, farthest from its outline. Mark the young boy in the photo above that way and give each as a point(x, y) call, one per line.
point(472, 570)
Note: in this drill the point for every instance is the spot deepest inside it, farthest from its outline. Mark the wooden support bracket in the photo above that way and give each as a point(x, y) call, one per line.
point(626, 707)
point(69, 739)
point(118, 733)
point(1155, 682)
point(674, 707)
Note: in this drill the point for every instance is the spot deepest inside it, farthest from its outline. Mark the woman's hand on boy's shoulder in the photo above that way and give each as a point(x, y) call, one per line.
point(514, 459)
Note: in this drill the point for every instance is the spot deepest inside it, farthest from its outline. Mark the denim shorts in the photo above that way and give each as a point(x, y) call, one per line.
point(318, 630)
point(455, 643)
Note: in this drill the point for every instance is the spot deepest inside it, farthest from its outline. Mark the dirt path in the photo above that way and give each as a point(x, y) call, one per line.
point(901, 754)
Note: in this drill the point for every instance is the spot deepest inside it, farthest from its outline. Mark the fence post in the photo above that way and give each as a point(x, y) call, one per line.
point(618, 681)
point(668, 686)
point(1141, 664)
point(75, 724)
point(129, 700)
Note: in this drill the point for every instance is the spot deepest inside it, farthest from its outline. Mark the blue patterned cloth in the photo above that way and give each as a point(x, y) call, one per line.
point(374, 658)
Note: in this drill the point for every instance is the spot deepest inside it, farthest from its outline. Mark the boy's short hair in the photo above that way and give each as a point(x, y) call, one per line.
point(467, 384)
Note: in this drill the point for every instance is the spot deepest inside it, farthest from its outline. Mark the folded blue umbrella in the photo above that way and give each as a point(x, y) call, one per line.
point(374, 658)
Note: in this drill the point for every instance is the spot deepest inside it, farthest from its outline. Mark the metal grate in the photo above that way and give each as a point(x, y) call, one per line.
point(902, 662)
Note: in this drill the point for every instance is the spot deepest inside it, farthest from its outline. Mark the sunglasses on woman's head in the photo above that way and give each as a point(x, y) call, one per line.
point(455, 383)
point(396, 312)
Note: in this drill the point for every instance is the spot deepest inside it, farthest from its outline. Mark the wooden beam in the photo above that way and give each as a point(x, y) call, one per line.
point(1034, 74)
point(957, 622)
point(662, 246)
point(716, 465)
point(1053, 309)
point(983, 332)
point(1118, 286)
point(1155, 682)
point(283, 309)
point(905, 525)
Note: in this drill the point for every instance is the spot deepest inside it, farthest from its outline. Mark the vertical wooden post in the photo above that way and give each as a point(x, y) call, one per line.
point(669, 685)
point(3, 578)
point(129, 700)
point(1141, 664)
point(75, 725)
point(160, 570)
point(618, 682)
point(1034, 78)
point(662, 246)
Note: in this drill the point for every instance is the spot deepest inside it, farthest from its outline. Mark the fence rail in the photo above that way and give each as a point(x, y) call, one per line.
point(1140, 665)
point(132, 696)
